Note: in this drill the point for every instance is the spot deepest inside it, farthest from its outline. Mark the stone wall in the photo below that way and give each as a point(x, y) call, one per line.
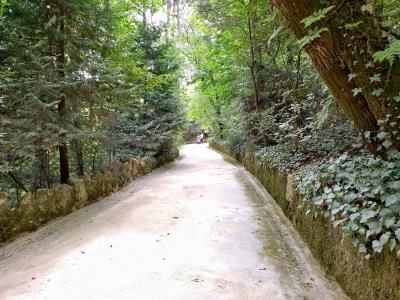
point(37, 209)
point(376, 278)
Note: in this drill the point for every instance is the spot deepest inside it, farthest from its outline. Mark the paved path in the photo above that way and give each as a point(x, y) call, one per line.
point(199, 228)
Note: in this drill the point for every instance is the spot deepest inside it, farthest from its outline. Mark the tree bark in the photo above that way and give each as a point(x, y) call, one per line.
point(341, 52)
point(41, 170)
point(80, 169)
point(78, 147)
point(169, 6)
point(178, 17)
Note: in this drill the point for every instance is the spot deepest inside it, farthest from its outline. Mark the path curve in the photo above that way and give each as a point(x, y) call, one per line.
point(199, 228)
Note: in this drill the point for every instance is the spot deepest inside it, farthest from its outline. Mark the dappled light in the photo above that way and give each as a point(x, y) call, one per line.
point(199, 149)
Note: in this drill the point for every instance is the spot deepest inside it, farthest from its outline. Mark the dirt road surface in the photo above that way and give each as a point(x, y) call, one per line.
point(199, 228)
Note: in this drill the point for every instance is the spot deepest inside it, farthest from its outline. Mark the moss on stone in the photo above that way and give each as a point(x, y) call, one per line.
point(47, 204)
point(377, 278)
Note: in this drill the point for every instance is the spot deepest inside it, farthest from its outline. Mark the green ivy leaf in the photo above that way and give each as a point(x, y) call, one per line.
point(395, 185)
point(354, 216)
point(369, 65)
point(377, 92)
point(352, 76)
point(392, 244)
point(346, 229)
point(391, 199)
point(367, 214)
point(384, 239)
point(337, 222)
point(356, 91)
point(382, 135)
point(389, 222)
point(375, 78)
point(397, 233)
point(387, 144)
point(377, 246)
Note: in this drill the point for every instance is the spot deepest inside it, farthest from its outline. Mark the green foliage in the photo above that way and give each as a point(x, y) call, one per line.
point(323, 141)
point(118, 76)
point(352, 26)
point(362, 195)
point(314, 33)
point(317, 16)
point(311, 36)
point(390, 54)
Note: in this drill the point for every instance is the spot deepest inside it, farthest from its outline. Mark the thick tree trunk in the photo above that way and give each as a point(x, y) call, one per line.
point(341, 52)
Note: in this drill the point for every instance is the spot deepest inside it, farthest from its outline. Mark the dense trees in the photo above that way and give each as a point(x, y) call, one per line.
point(83, 83)
point(252, 77)
point(278, 94)
point(346, 54)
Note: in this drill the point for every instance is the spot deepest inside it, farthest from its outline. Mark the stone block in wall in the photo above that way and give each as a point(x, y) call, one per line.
point(26, 205)
point(90, 187)
point(7, 219)
point(4, 208)
point(338, 256)
point(63, 197)
point(290, 188)
point(27, 217)
point(147, 164)
point(3, 201)
point(99, 184)
point(80, 193)
point(44, 202)
point(135, 166)
point(144, 166)
point(127, 169)
point(110, 182)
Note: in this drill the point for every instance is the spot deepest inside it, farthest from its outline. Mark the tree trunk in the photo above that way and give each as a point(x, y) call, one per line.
point(63, 148)
point(178, 17)
point(169, 6)
point(41, 170)
point(78, 147)
point(341, 52)
point(80, 171)
point(221, 130)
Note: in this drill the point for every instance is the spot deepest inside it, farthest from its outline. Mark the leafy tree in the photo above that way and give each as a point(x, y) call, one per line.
point(355, 53)
point(72, 72)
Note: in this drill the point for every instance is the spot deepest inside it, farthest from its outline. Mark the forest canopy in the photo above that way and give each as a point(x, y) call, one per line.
point(84, 84)
point(310, 88)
